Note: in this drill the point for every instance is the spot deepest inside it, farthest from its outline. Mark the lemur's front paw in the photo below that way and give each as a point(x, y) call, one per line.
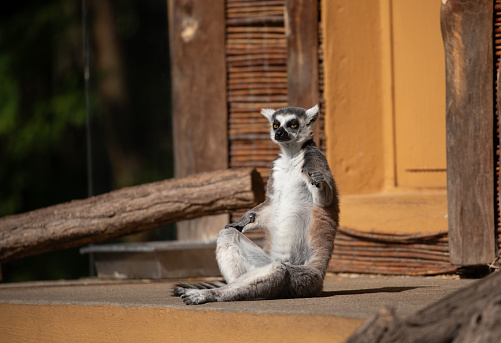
point(233, 226)
point(316, 178)
point(242, 222)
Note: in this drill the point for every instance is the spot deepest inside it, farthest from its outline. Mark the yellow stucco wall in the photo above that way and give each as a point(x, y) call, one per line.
point(354, 94)
point(419, 93)
point(384, 94)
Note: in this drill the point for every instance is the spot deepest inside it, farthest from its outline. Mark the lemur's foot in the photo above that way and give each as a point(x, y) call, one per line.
point(316, 178)
point(194, 297)
point(179, 290)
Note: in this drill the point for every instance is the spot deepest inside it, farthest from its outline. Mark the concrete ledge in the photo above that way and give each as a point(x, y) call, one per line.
point(145, 311)
point(396, 212)
point(76, 323)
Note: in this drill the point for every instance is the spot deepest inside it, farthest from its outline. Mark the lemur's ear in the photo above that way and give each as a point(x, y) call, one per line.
point(312, 115)
point(267, 112)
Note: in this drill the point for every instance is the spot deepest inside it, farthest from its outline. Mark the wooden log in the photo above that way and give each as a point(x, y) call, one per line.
point(469, 315)
point(467, 33)
point(128, 210)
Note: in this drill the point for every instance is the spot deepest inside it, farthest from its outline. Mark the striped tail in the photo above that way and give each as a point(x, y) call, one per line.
point(180, 288)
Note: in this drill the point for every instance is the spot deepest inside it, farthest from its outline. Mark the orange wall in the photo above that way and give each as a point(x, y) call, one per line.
point(419, 86)
point(353, 93)
point(383, 72)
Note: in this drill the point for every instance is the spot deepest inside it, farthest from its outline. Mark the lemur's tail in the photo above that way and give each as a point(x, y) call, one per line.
point(179, 289)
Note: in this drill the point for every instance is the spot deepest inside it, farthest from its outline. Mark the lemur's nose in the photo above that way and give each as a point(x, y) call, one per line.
point(281, 135)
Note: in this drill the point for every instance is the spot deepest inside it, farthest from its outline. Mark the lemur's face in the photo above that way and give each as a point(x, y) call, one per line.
point(286, 127)
point(291, 124)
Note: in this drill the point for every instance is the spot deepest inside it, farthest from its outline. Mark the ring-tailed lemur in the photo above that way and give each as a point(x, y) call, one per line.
point(300, 217)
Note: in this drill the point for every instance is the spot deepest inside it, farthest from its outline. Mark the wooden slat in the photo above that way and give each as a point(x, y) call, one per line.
point(467, 32)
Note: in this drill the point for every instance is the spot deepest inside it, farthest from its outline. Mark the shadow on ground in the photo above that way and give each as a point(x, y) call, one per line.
point(367, 291)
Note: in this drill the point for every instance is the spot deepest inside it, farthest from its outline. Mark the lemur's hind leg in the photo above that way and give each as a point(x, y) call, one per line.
point(237, 255)
point(260, 283)
point(272, 281)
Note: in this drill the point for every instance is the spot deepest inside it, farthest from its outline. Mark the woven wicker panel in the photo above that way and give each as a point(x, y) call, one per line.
point(256, 54)
point(256, 58)
point(379, 253)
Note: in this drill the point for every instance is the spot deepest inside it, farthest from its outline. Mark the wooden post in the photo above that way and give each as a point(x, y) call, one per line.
point(467, 28)
point(199, 107)
point(301, 29)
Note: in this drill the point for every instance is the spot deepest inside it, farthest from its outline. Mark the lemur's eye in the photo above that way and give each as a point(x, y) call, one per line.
point(293, 124)
point(276, 125)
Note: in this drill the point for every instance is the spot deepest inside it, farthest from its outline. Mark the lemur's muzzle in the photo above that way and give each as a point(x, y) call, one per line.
point(281, 135)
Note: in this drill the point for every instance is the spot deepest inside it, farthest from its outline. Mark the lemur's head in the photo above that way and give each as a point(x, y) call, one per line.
point(291, 124)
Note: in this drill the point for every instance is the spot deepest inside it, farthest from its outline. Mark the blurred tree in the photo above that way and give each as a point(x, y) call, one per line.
point(42, 111)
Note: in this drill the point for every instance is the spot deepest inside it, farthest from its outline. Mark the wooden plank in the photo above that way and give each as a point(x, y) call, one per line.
point(199, 97)
point(127, 211)
point(301, 27)
point(467, 29)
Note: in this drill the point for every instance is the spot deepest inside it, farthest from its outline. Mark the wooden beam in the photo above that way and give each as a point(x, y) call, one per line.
point(199, 106)
point(301, 28)
point(467, 29)
point(127, 211)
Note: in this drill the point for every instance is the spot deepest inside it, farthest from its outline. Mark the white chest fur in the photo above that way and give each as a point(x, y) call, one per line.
point(291, 202)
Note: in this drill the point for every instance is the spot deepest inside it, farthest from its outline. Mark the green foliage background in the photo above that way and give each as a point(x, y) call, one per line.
point(42, 114)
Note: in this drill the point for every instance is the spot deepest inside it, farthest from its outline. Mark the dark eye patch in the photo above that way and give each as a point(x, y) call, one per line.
point(293, 124)
point(276, 124)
